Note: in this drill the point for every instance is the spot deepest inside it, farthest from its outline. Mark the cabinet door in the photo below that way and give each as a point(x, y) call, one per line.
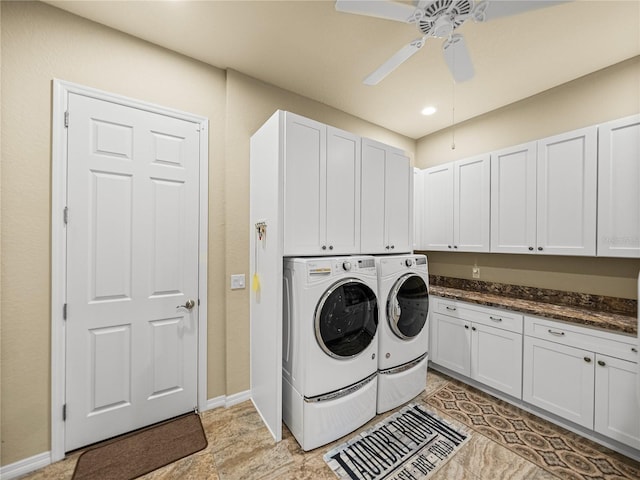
point(372, 238)
point(304, 186)
point(496, 359)
point(418, 203)
point(342, 192)
point(566, 193)
point(451, 343)
point(437, 233)
point(398, 202)
point(513, 199)
point(471, 204)
point(559, 379)
point(619, 188)
point(617, 411)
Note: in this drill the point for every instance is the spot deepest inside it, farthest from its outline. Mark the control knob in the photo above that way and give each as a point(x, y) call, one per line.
point(346, 266)
point(408, 262)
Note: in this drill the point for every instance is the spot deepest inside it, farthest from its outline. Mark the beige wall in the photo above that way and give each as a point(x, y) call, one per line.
point(604, 95)
point(40, 43)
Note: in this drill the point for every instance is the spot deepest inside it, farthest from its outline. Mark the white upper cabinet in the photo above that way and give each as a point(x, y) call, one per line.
point(456, 206)
point(437, 227)
point(513, 199)
point(418, 202)
point(566, 193)
point(619, 188)
point(387, 199)
point(471, 196)
point(321, 189)
point(543, 196)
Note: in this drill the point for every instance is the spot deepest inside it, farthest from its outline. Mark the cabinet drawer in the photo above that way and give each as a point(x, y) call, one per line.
point(475, 313)
point(592, 339)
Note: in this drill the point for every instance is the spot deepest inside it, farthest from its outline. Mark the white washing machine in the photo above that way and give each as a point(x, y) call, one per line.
point(403, 338)
point(330, 346)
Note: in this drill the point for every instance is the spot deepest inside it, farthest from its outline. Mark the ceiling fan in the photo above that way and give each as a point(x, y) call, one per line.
point(438, 19)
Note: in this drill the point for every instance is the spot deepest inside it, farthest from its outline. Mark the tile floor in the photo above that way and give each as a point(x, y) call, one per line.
point(241, 448)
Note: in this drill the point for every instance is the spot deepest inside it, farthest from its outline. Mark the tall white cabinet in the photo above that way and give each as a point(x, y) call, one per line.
point(456, 206)
point(619, 188)
point(315, 190)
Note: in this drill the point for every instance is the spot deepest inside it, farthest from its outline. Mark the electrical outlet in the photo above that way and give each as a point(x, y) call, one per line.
point(237, 281)
point(475, 272)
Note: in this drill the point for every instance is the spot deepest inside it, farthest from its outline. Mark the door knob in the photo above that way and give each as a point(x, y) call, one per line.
point(188, 305)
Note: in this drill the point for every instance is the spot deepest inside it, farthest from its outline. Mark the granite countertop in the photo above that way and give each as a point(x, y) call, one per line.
point(612, 319)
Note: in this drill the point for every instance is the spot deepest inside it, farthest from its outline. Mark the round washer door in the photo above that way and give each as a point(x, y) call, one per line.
point(346, 318)
point(408, 306)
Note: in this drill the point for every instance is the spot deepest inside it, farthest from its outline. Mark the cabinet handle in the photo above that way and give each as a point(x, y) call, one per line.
point(634, 349)
point(530, 248)
point(449, 246)
point(455, 246)
point(540, 248)
point(330, 247)
point(392, 247)
point(453, 309)
point(559, 334)
point(473, 328)
point(601, 363)
point(387, 247)
point(587, 359)
point(467, 327)
point(495, 319)
point(324, 247)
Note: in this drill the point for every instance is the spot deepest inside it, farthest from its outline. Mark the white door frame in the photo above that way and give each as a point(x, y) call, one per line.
point(61, 91)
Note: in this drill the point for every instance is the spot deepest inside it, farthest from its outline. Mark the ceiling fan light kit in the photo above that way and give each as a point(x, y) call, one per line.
point(437, 19)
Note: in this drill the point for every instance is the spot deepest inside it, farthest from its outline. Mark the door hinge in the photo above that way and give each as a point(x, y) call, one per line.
point(66, 119)
point(64, 311)
point(65, 215)
point(198, 302)
point(64, 412)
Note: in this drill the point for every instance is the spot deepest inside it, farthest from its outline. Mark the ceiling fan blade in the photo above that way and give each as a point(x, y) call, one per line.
point(504, 8)
point(394, 62)
point(457, 57)
point(400, 12)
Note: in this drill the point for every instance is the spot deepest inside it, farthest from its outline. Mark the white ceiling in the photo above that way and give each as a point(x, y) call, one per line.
point(310, 49)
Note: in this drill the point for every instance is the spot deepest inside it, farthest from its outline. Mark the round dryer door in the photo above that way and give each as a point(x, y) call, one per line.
point(346, 318)
point(408, 306)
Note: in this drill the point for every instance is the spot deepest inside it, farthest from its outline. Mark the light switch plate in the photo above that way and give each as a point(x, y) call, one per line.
point(475, 272)
point(237, 281)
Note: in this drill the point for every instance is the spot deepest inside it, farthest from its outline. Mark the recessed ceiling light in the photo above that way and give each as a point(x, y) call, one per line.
point(429, 110)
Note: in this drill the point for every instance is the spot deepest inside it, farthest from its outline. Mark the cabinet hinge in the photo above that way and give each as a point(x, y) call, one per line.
point(64, 311)
point(65, 215)
point(64, 412)
point(66, 119)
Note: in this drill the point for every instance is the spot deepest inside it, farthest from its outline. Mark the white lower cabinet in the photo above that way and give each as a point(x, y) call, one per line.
point(583, 375)
point(617, 414)
point(465, 340)
point(559, 379)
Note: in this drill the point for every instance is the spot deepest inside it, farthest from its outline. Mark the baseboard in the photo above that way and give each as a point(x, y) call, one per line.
point(22, 467)
point(228, 400)
point(237, 398)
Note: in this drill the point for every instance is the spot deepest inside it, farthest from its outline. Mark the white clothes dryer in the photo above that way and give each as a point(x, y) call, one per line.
point(330, 345)
point(403, 338)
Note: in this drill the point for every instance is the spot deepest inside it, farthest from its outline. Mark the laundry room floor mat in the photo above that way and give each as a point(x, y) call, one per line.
point(140, 452)
point(413, 443)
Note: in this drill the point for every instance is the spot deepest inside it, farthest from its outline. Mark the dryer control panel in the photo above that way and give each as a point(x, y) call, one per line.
point(326, 267)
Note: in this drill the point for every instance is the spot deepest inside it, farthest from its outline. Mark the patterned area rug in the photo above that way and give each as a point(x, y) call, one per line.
point(410, 444)
point(560, 452)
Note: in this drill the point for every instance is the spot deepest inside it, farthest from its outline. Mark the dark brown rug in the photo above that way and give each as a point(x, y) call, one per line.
point(562, 453)
point(143, 451)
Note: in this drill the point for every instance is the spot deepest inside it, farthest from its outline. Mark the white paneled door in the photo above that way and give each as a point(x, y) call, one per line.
point(132, 269)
